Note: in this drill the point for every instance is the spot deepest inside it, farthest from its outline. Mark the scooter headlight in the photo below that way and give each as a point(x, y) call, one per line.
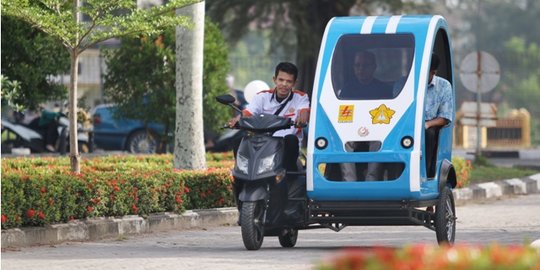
point(266, 164)
point(242, 164)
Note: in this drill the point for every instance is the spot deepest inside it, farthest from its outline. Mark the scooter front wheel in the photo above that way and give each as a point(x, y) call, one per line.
point(251, 220)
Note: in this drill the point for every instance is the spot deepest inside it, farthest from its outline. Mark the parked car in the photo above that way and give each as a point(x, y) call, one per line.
point(124, 134)
point(131, 134)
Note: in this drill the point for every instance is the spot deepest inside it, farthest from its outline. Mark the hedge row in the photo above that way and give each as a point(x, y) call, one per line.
point(38, 191)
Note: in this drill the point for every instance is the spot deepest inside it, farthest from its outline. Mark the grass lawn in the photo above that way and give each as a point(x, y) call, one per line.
point(483, 173)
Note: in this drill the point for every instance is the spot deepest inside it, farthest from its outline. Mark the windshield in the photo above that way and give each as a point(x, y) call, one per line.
point(373, 66)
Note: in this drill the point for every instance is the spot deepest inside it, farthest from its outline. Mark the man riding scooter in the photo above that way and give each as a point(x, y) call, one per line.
point(266, 156)
point(282, 101)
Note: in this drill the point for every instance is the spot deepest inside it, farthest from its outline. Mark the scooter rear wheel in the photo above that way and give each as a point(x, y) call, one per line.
point(251, 220)
point(288, 237)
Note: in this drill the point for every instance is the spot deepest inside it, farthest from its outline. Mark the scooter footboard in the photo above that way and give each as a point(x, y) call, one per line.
point(371, 213)
point(295, 210)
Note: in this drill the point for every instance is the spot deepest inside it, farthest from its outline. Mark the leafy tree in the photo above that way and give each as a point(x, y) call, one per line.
point(495, 22)
point(28, 57)
point(503, 28)
point(145, 89)
point(106, 19)
point(521, 85)
point(296, 25)
point(215, 68)
point(11, 94)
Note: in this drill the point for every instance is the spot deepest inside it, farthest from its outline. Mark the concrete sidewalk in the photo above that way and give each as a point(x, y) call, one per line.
point(102, 228)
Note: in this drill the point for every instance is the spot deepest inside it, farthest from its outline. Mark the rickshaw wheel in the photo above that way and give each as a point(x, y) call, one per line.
point(288, 238)
point(251, 220)
point(445, 217)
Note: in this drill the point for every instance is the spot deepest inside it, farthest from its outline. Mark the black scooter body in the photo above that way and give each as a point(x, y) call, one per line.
point(271, 201)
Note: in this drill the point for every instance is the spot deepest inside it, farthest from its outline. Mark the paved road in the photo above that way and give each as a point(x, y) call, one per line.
point(507, 221)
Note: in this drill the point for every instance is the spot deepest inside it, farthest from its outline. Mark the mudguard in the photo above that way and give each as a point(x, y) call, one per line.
point(253, 193)
point(447, 175)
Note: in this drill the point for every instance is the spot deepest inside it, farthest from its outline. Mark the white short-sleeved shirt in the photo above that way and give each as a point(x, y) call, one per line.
point(265, 102)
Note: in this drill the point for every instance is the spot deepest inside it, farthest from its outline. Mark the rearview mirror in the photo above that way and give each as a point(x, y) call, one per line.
point(225, 99)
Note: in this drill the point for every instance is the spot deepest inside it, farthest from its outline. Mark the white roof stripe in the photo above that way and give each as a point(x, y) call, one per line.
point(367, 26)
point(392, 25)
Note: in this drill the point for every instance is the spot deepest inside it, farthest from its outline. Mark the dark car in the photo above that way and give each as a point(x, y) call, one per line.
point(124, 134)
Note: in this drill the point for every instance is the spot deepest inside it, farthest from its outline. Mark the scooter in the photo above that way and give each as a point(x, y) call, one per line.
point(271, 200)
point(18, 135)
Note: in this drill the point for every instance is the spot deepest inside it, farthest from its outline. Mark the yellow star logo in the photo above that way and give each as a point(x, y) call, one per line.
point(381, 115)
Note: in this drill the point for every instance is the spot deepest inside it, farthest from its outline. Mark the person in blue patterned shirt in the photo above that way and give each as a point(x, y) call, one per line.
point(438, 112)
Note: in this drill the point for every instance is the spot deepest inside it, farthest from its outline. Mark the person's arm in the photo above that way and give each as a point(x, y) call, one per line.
point(250, 109)
point(303, 113)
point(445, 112)
point(233, 121)
point(439, 121)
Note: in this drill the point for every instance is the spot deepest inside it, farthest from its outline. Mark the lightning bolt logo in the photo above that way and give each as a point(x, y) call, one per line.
point(346, 113)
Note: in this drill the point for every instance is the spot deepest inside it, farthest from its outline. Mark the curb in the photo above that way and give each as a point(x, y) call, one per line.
point(102, 228)
point(497, 190)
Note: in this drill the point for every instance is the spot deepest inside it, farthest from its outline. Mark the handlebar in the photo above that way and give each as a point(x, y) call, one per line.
point(237, 126)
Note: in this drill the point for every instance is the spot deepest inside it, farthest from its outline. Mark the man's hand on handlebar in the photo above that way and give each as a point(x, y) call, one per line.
point(233, 121)
point(302, 119)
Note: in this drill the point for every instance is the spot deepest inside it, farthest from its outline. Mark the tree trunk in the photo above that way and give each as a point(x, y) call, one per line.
point(73, 144)
point(189, 142)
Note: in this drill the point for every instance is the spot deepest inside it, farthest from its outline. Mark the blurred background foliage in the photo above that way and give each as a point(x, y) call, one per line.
point(145, 89)
point(29, 56)
point(259, 34)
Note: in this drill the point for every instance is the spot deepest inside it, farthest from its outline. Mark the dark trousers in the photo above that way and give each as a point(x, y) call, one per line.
point(291, 152)
point(432, 141)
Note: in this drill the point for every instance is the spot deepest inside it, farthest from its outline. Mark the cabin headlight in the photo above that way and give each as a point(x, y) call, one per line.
point(407, 142)
point(321, 143)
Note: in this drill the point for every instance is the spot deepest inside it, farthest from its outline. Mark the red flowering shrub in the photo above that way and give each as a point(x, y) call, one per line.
point(423, 257)
point(463, 171)
point(209, 189)
point(38, 191)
